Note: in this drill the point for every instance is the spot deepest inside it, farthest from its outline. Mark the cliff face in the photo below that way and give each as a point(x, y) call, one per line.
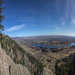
point(19, 59)
point(8, 67)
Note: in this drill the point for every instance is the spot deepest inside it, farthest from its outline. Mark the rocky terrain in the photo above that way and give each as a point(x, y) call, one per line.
point(8, 67)
point(16, 58)
point(49, 59)
point(17, 61)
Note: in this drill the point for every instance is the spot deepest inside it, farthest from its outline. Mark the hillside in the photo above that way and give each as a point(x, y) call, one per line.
point(8, 67)
point(49, 59)
point(20, 57)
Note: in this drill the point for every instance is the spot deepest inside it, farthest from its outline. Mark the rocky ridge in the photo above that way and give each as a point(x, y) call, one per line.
point(20, 57)
point(8, 67)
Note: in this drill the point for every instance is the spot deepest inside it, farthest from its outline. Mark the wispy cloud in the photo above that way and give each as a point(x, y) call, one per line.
point(16, 27)
point(69, 10)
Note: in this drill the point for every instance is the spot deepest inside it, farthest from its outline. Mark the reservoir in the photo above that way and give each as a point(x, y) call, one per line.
point(46, 46)
point(53, 46)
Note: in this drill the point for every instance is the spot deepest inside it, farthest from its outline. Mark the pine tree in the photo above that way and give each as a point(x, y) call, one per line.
point(1, 16)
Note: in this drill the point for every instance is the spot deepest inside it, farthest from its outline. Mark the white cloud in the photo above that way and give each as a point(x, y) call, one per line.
point(69, 11)
point(16, 27)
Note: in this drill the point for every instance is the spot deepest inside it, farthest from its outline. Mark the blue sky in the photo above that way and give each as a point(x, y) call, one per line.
point(39, 17)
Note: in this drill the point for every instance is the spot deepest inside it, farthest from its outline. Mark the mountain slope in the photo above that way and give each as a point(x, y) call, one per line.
point(20, 56)
point(8, 67)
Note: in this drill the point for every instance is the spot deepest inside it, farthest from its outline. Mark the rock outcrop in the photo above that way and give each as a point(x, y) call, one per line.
point(19, 57)
point(8, 67)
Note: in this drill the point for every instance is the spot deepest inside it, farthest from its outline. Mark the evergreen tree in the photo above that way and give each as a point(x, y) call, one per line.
point(1, 16)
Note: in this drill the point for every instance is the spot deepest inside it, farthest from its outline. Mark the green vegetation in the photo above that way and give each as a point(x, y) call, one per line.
point(64, 67)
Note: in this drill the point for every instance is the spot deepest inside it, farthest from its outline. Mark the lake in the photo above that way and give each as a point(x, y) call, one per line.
point(53, 46)
point(46, 46)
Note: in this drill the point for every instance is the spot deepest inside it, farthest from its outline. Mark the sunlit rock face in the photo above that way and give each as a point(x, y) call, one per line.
point(8, 67)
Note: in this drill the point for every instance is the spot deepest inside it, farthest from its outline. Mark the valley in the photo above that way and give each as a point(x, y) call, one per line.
point(49, 57)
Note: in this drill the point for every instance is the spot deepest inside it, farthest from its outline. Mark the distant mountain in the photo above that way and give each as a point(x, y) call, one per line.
point(47, 37)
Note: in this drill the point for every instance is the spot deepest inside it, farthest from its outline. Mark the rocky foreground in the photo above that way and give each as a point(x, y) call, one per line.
point(16, 60)
point(8, 67)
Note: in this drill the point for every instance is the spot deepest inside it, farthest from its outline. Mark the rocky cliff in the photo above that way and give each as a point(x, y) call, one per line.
point(18, 61)
point(8, 67)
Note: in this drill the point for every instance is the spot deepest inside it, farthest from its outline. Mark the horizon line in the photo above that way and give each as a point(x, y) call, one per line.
point(43, 35)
